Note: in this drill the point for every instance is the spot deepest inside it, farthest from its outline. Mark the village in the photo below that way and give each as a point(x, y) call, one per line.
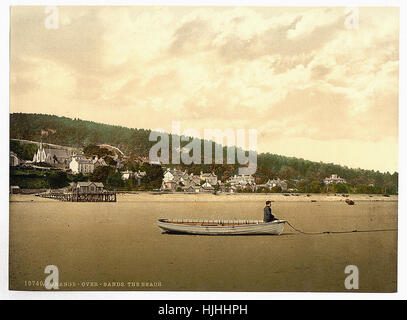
point(75, 162)
point(180, 181)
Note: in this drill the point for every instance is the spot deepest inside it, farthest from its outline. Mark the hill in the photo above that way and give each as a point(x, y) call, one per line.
point(302, 174)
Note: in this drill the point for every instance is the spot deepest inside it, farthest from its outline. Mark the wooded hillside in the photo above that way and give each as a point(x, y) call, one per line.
point(305, 175)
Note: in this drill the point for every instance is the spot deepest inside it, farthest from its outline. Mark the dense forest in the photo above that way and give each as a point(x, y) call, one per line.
point(304, 175)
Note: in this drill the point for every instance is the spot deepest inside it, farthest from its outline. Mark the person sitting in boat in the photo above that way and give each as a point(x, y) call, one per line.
point(268, 216)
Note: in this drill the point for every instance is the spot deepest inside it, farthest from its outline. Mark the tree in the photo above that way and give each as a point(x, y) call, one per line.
point(315, 186)
point(57, 179)
point(109, 161)
point(92, 150)
point(302, 186)
point(78, 177)
point(114, 180)
point(23, 151)
point(135, 144)
point(287, 172)
point(341, 188)
point(154, 176)
point(276, 189)
point(101, 173)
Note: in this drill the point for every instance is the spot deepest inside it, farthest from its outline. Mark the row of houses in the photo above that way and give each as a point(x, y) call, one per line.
point(274, 183)
point(173, 179)
point(76, 163)
point(139, 175)
point(247, 182)
point(177, 180)
point(52, 156)
point(65, 159)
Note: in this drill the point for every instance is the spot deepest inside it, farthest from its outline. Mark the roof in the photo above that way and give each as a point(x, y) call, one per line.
point(84, 161)
point(278, 181)
point(207, 185)
point(208, 174)
point(177, 173)
point(99, 161)
point(88, 183)
point(99, 184)
point(59, 153)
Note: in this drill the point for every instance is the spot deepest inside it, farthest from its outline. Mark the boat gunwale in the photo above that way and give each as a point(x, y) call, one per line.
point(217, 223)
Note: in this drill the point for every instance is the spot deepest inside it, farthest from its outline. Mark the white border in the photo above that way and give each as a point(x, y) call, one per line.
point(4, 165)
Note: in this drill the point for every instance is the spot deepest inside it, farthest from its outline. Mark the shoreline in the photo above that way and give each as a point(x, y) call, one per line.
point(236, 197)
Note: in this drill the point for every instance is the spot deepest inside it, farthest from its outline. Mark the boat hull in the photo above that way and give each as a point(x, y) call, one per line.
point(222, 227)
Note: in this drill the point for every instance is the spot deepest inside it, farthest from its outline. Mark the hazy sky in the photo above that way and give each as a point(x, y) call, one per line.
point(310, 86)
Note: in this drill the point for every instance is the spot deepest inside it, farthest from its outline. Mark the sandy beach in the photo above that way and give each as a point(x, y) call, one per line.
point(117, 246)
point(277, 197)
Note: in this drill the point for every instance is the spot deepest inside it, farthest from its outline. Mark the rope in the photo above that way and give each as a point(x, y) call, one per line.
point(336, 232)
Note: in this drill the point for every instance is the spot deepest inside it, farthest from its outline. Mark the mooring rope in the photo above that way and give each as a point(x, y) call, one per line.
point(336, 232)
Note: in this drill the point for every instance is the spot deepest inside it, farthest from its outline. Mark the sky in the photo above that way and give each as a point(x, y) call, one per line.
point(316, 83)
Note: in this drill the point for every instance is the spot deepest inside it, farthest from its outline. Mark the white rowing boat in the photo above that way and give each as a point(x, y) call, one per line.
point(221, 227)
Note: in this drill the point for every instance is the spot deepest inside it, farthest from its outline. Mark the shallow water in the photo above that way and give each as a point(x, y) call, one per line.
point(117, 246)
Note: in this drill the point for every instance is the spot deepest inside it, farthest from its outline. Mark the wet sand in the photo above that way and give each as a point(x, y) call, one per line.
point(117, 246)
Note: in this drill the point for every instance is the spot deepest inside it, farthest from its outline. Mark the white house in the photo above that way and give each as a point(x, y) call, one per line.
point(129, 174)
point(242, 182)
point(276, 183)
point(207, 187)
point(334, 178)
point(80, 164)
point(126, 175)
point(209, 177)
point(174, 179)
point(14, 161)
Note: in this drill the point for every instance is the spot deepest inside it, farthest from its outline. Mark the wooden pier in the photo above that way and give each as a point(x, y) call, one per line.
point(105, 196)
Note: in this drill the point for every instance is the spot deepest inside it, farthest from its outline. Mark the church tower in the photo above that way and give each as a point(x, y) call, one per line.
point(40, 156)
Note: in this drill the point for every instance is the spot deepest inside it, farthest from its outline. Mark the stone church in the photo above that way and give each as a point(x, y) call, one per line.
point(51, 156)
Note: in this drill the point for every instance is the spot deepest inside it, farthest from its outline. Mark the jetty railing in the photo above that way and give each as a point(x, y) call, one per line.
point(105, 196)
